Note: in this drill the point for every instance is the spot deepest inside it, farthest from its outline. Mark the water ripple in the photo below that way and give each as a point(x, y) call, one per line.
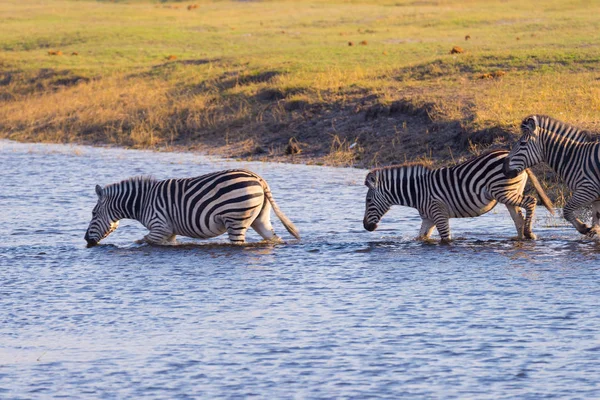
point(344, 313)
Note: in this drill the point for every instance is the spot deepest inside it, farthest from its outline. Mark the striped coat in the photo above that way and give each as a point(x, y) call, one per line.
point(469, 189)
point(202, 207)
point(573, 154)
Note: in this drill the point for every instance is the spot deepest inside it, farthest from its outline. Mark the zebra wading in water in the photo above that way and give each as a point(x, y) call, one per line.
point(202, 207)
point(468, 189)
point(573, 154)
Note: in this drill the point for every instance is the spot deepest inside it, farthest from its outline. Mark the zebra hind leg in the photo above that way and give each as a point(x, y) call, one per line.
point(236, 232)
point(519, 220)
point(442, 223)
point(526, 202)
point(262, 225)
point(529, 204)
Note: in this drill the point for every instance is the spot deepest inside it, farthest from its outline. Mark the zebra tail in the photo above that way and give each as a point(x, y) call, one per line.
point(289, 225)
point(540, 191)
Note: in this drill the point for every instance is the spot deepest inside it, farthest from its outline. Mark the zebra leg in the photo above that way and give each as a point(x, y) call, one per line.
point(528, 203)
point(513, 200)
point(262, 224)
point(159, 237)
point(427, 226)
point(442, 222)
point(519, 220)
point(236, 230)
point(578, 200)
point(596, 213)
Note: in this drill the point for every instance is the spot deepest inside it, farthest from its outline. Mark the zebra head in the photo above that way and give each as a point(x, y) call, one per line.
point(103, 221)
point(376, 203)
point(527, 151)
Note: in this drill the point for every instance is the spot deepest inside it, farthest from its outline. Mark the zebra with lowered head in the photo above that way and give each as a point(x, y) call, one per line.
point(202, 207)
point(573, 154)
point(469, 189)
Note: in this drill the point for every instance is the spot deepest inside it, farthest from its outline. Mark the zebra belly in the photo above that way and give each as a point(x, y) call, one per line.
point(217, 228)
point(480, 207)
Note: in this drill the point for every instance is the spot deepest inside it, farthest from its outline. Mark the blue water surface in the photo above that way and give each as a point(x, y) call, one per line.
point(343, 313)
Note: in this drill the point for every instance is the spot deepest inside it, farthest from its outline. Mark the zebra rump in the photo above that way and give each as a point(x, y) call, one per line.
point(201, 207)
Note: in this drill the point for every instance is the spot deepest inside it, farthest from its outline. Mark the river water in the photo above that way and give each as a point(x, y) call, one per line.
point(344, 313)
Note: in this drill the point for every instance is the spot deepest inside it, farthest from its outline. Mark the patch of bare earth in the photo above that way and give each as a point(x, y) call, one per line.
point(363, 132)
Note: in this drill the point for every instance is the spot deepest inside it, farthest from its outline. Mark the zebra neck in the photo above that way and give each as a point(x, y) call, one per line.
point(559, 153)
point(408, 188)
point(132, 198)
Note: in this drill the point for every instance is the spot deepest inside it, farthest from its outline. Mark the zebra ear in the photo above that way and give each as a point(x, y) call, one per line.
point(99, 191)
point(371, 181)
point(529, 124)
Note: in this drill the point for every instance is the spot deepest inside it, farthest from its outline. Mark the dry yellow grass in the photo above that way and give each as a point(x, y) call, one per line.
point(248, 76)
point(574, 98)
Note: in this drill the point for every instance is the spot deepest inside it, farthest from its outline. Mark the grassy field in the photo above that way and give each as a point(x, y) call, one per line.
point(360, 83)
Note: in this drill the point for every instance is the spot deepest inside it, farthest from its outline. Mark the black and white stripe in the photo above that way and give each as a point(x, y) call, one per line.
point(573, 154)
point(202, 207)
point(469, 189)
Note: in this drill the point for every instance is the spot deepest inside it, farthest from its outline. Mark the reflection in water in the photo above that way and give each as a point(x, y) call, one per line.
point(341, 313)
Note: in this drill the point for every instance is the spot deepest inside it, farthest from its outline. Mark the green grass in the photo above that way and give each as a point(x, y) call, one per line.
point(257, 73)
point(299, 36)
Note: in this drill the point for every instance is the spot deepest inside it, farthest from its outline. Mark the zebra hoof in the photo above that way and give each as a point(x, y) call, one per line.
point(530, 236)
point(276, 240)
point(585, 230)
point(593, 232)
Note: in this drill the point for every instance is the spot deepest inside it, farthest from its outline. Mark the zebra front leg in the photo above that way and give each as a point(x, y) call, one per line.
point(578, 200)
point(596, 219)
point(427, 226)
point(596, 213)
point(158, 238)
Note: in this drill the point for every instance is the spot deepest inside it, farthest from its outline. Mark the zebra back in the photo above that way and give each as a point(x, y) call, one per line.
point(463, 188)
point(542, 123)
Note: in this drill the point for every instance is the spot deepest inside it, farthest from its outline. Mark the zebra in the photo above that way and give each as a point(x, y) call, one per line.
point(201, 207)
point(469, 189)
point(573, 154)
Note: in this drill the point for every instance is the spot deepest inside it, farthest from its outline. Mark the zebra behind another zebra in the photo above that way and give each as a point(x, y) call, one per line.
point(571, 153)
point(468, 189)
point(202, 207)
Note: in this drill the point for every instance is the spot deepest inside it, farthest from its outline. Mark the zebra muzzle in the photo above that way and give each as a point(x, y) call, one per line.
point(90, 242)
point(369, 225)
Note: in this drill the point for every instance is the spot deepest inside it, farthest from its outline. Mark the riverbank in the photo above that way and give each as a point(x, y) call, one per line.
point(339, 83)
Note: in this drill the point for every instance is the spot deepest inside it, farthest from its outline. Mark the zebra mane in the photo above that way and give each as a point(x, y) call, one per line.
point(559, 128)
point(407, 170)
point(135, 180)
point(417, 166)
